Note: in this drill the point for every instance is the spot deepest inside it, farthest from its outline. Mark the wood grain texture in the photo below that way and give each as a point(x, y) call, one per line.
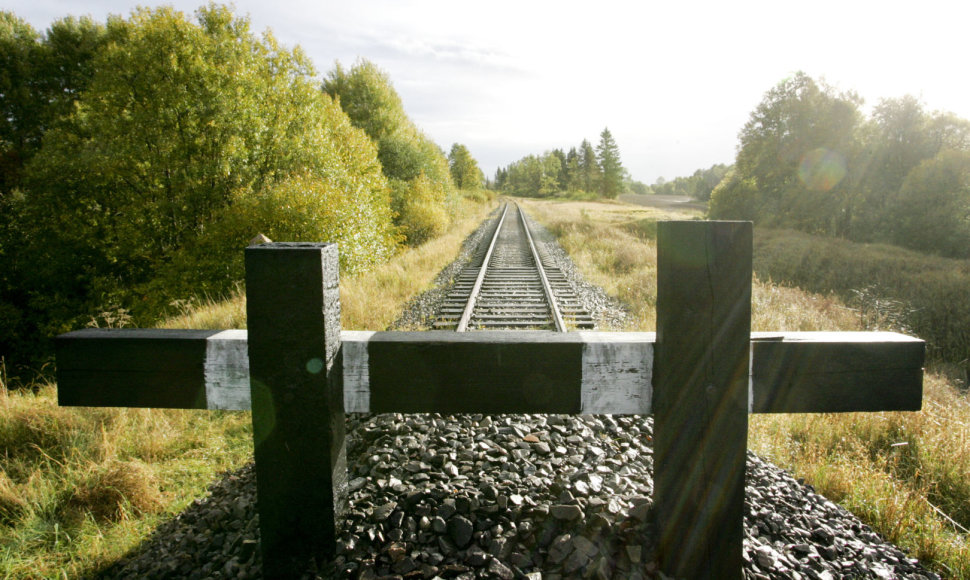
point(293, 313)
point(793, 372)
point(617, 372)
point(701, 396)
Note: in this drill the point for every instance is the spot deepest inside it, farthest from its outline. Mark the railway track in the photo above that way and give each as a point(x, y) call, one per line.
point(511, 284)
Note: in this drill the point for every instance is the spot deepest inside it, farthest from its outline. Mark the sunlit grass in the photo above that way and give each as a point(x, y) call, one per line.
point(905, 474)
point(80, 487)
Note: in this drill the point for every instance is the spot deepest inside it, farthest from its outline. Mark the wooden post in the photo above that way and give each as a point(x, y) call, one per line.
point(293, 309)
point(701, 395)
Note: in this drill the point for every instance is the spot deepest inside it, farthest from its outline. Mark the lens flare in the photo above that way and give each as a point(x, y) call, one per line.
point(822, 169)
point(314, 366)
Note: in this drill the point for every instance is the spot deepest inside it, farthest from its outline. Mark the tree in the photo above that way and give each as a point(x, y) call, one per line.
point(41, 77)
point(608, 156)
point(588, 167)
point(931, 212)
point(367, 96)
point(794, 151)
point(464, 169)
point(574, 180)
point(188, 140)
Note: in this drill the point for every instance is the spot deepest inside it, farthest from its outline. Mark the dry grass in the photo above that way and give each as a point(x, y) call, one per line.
point(370, 300)
point(80, 487)
point(905, 474)
point(374, 300)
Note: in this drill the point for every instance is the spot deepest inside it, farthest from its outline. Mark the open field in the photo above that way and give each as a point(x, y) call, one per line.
point(904, 473)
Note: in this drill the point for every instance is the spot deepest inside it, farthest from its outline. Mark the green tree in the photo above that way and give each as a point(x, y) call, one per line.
point(608, 157)
point(588, 167)
point(365, 92)
point(574, 179)
point(795, 149)
point(189, 139)
point(931, 212)
point(464, 169)
point(41, 77)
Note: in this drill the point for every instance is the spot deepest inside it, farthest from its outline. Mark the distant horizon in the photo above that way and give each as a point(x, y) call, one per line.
point(674, 83)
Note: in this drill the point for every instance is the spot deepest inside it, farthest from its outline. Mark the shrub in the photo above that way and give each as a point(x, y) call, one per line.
point(420, 206)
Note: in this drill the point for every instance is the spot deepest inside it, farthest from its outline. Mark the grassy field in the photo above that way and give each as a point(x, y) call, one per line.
point(80, 487)
point(905, 474)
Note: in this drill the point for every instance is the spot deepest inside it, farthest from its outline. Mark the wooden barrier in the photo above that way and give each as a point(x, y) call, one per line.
point(700, 375)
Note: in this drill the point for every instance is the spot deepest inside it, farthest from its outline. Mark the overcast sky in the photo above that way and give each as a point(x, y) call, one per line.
point(673, 80)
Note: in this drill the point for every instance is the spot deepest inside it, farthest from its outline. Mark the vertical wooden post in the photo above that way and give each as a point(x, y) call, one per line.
point(293, 309)
point(701, 395)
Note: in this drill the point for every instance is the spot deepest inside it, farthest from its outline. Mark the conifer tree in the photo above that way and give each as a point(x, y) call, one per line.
point(608, 155)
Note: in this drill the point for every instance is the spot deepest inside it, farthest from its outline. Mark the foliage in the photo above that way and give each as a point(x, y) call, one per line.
point(406, 154)
point(608, 157)
point(571, 175)
point(420, 207)
point(809, 160)
point(699, 185)
point(41, 77)
point(188, 140)
point(464, 169)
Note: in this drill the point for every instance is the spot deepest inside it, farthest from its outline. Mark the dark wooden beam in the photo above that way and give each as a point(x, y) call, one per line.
point(293, 311)
point(792, 372)
point(701, 396)
point(836, 372)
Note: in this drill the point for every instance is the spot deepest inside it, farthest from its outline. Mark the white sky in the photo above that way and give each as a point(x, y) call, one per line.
point(673, 80)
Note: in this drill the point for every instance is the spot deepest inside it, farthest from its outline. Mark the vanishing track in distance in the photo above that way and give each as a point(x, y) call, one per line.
point(511, 284)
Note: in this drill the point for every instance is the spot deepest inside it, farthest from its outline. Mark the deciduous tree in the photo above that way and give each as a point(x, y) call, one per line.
point(464, 169)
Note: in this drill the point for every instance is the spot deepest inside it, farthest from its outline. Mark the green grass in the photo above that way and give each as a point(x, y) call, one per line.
point(80, 487)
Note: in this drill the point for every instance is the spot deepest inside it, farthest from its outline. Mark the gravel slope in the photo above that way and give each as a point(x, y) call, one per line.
point(513, 496)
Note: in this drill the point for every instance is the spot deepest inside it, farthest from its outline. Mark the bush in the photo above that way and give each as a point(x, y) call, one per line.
point(189, 140)
point(420, 206)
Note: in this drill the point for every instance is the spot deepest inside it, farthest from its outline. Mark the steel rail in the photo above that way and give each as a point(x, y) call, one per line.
point(470, 306)
point(550, 297)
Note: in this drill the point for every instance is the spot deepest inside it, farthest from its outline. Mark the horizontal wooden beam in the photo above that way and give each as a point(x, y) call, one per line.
point(489, 371)
point(157, 368)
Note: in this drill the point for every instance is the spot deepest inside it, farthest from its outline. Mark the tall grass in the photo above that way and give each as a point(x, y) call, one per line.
point(905, 474)
point(79, 487)
point(888, 285)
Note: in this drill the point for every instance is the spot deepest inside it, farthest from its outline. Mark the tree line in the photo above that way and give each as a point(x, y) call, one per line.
point(698, 185)
point(583, 170)
point(809, 159)
point(138, 157)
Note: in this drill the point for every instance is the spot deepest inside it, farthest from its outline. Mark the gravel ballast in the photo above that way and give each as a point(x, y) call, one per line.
point(513, 496)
